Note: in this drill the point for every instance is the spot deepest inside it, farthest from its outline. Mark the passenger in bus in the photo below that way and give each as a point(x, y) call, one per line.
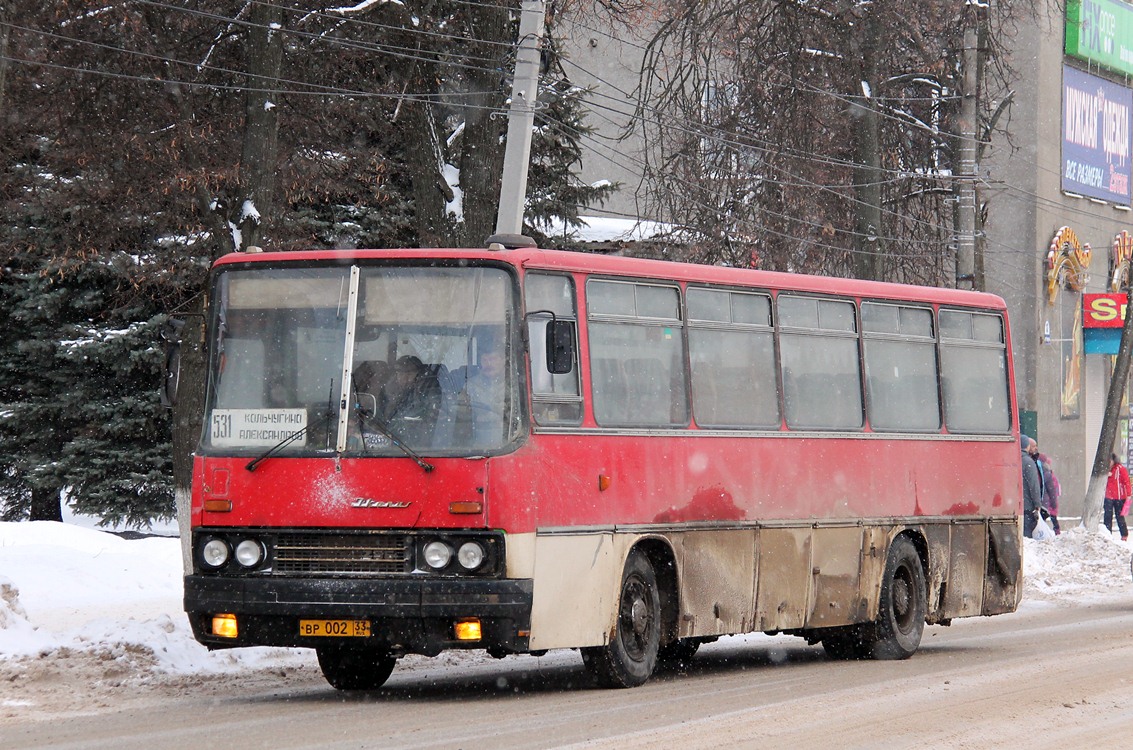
point(482, 393)
point(410, 400)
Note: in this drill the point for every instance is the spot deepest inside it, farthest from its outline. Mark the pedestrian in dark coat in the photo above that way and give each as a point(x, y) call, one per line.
point(1032, 489)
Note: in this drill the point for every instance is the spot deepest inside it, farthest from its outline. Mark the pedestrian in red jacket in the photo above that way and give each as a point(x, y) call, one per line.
point(1117, 492)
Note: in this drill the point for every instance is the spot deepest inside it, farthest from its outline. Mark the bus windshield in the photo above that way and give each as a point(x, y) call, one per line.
point(364, 361)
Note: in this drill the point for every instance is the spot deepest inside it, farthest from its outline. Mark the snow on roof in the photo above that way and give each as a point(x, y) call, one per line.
point(605, 229)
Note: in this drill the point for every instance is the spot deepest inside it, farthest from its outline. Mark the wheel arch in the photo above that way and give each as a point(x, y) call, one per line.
point(920, 543)
point(659, 552)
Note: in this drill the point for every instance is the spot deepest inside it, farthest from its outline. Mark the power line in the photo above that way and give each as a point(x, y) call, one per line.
point(701, 131)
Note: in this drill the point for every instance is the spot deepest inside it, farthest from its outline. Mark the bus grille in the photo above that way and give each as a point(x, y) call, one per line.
point(343, 554)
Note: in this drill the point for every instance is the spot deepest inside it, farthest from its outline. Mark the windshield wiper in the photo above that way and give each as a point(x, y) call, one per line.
point(251, 465)
point(365, 417)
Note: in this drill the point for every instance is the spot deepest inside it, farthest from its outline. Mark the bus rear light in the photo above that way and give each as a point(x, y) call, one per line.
point(218, 506)
point(467, 629)
point(603, 482)
point(224, 625)
point(466, 506)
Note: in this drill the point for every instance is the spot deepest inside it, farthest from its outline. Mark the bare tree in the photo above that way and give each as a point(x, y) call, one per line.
point(812, 136)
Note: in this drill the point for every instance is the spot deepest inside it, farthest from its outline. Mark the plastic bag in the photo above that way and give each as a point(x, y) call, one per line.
point(1042, 531)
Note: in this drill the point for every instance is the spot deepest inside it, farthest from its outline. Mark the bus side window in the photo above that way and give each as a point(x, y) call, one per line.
point(638, 327)
point(973, 372)
point(821, 372)
point(900, 367)
point(732, 352)
point(555, 397)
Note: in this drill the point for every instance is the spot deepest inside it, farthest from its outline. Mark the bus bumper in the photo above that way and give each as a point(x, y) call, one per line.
point(405, 615)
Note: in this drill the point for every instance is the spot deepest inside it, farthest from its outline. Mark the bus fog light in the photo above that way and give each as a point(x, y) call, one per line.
point(467, 629)
point(225, 626)
point(470, 555)
point(214, 553)
point(437, 555)
point(249, 553)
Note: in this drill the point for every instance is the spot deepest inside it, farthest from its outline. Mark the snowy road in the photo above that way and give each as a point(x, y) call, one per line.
point(1050, 676)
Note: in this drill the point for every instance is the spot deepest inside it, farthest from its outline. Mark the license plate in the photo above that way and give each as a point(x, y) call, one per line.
point(335, 628)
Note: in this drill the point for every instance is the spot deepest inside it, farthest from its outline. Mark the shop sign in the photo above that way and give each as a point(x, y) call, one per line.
point(1103, 316)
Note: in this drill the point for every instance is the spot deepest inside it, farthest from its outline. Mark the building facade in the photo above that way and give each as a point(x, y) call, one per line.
point(1056, 196)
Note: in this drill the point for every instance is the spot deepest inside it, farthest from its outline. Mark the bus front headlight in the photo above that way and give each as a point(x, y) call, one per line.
point(470, 555)
point(438, 554)
point(214, 553)
point(249, 553)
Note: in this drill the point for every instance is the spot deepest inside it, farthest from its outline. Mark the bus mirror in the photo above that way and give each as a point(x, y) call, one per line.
point(560, 346)
point(171, 333)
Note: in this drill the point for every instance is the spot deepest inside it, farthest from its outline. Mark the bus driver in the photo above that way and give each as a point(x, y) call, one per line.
point(409, 402)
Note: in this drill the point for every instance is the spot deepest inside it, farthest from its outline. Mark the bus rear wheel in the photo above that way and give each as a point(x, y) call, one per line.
point(355, 668)
point(631, 656)
point(903, 605)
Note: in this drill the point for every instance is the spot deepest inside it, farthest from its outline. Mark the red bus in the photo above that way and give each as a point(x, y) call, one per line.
point(516, 450)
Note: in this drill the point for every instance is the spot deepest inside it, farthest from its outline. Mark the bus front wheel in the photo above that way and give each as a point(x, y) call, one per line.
point(355, 668)
point(901, 610)
point(631, 656)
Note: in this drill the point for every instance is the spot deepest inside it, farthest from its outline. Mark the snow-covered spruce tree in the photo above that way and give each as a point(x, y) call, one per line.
point(82, 417)
point(30, 439)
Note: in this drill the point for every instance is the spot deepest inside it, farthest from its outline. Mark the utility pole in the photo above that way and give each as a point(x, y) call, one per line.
point(521, 119)
point(974, 11)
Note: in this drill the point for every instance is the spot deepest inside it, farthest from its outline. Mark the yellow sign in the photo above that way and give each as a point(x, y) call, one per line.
point(1067, 262)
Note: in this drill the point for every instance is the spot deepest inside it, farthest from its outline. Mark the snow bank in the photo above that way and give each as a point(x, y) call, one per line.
point(1076, 566)
point(66, 589)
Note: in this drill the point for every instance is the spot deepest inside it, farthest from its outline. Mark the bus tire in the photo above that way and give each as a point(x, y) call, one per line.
point(631, 656)
point(904, 602)
point(355, 668)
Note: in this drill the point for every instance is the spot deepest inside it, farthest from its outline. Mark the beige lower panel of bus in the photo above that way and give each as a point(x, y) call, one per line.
point(957, 564)
point(577, 578)
point(716, 579)
point(747, 580)
point(729, 581)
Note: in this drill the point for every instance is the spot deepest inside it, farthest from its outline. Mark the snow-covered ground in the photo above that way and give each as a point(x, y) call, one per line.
point(109, 608)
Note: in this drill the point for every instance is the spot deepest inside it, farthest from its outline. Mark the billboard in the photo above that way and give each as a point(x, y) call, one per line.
point(1101, 32)
point(1096, 137)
